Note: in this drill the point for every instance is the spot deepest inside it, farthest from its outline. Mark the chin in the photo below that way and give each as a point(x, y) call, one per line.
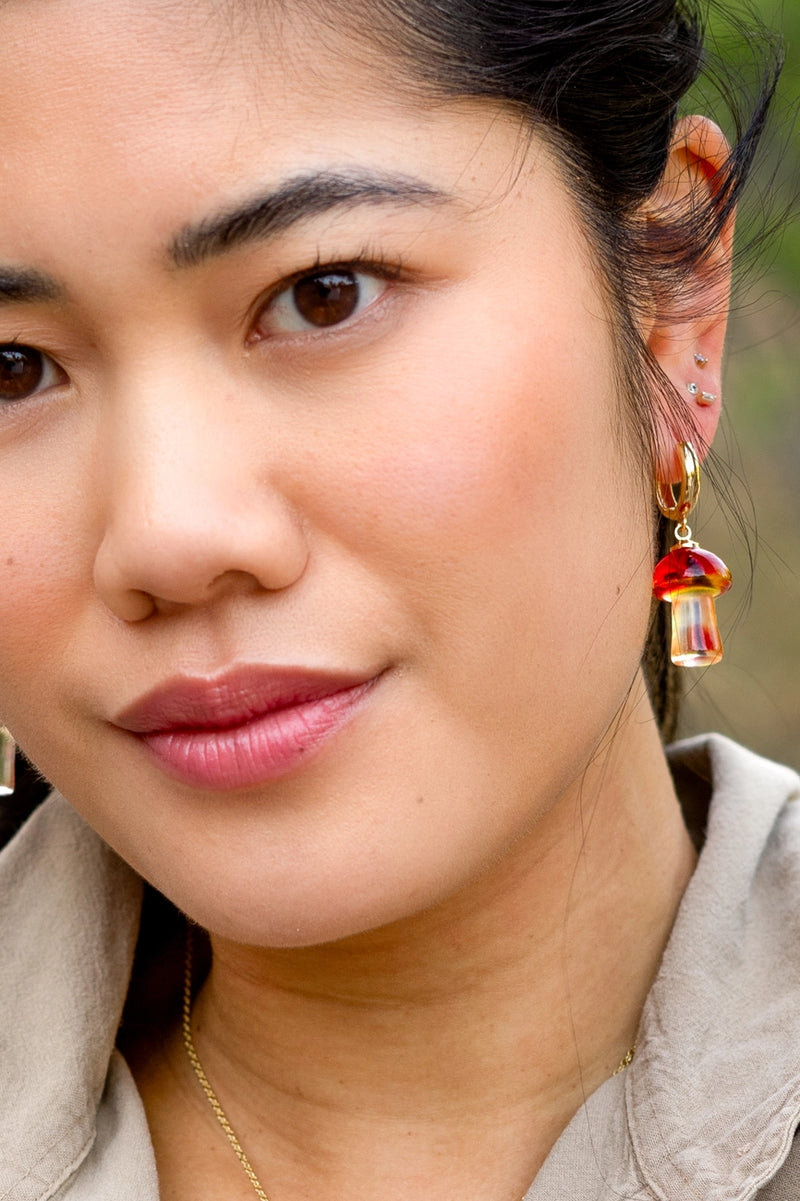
point(314, 900)
point(309, 922)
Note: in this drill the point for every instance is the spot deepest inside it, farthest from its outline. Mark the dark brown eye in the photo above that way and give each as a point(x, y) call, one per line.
point(24, 371)
point(326, 299)
point(319, 300)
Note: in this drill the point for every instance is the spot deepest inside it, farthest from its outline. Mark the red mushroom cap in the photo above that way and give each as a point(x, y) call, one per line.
point(690, 569)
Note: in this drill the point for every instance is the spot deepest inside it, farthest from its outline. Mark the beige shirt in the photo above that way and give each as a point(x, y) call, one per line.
point(708, 1109)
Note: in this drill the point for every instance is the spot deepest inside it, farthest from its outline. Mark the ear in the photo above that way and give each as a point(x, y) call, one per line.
point(695, 326)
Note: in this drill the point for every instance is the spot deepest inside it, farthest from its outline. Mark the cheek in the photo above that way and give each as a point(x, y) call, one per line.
point(422, 451)
point(488, 472)
point(46, 557)
point(489, 496)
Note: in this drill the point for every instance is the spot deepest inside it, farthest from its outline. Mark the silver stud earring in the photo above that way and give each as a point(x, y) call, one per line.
point(694, 389)
point(7, 749)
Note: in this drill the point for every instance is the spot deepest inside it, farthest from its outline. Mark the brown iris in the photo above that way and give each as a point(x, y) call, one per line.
point(327, 298)
point(21, 372)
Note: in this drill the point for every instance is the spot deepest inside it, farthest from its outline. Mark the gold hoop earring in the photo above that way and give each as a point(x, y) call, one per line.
point(7, 755)
point(678, 508)
point(688, 577)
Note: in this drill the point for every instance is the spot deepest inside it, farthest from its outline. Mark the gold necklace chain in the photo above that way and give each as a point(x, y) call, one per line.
point(194, 1060)
point(211, 1096)
point(627, 1059)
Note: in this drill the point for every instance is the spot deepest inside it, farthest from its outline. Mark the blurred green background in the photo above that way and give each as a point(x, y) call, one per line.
point(754, 694)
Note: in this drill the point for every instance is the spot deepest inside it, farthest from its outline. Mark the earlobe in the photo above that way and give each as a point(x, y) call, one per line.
point(687, 335)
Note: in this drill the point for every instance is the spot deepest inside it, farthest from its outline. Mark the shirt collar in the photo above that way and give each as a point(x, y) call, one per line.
point(710, 1105)
point(69, 913)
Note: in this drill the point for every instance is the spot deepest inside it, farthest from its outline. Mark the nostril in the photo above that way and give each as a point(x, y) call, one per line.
point(139, 606)
point(128, 604)
point(196, 550)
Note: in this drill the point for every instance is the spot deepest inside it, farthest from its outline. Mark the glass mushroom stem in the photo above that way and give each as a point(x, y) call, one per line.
point(696, 640)
point(691, 579)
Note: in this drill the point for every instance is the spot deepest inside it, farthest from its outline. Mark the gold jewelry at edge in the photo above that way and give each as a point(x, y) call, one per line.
point(211, 1096)
point(7, 753)
point(627, 1059)
point(677, 508)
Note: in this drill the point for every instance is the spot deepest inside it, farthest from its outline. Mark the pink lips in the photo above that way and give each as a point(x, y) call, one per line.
point(247, 727)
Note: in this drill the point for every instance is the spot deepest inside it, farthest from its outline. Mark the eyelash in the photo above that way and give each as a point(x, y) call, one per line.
point(364, 264)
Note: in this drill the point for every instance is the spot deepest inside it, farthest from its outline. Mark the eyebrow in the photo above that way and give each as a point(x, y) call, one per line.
point(24, 286)
point(305, 196)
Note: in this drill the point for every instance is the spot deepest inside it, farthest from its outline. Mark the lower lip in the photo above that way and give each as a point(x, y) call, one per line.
point(262, 749)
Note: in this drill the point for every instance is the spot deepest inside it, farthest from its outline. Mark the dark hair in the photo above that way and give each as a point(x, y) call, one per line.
point(602, 79)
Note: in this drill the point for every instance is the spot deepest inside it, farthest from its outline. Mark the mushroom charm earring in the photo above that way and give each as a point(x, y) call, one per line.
point(688, 577)
point(7, 749)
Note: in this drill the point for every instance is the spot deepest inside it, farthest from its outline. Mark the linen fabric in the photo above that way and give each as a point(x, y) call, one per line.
point(707, 1110)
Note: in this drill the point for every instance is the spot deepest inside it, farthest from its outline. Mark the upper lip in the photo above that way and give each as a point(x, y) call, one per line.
point(232, 698)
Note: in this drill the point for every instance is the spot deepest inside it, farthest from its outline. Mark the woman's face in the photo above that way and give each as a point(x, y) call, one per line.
point(324, 419)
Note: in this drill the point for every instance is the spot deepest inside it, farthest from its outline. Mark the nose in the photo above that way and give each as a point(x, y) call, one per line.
point(191, 508)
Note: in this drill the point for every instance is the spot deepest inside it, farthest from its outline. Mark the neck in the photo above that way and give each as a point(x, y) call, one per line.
point(506, 1005)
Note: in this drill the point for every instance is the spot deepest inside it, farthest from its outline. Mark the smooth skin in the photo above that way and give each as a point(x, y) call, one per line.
point(433, 940)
